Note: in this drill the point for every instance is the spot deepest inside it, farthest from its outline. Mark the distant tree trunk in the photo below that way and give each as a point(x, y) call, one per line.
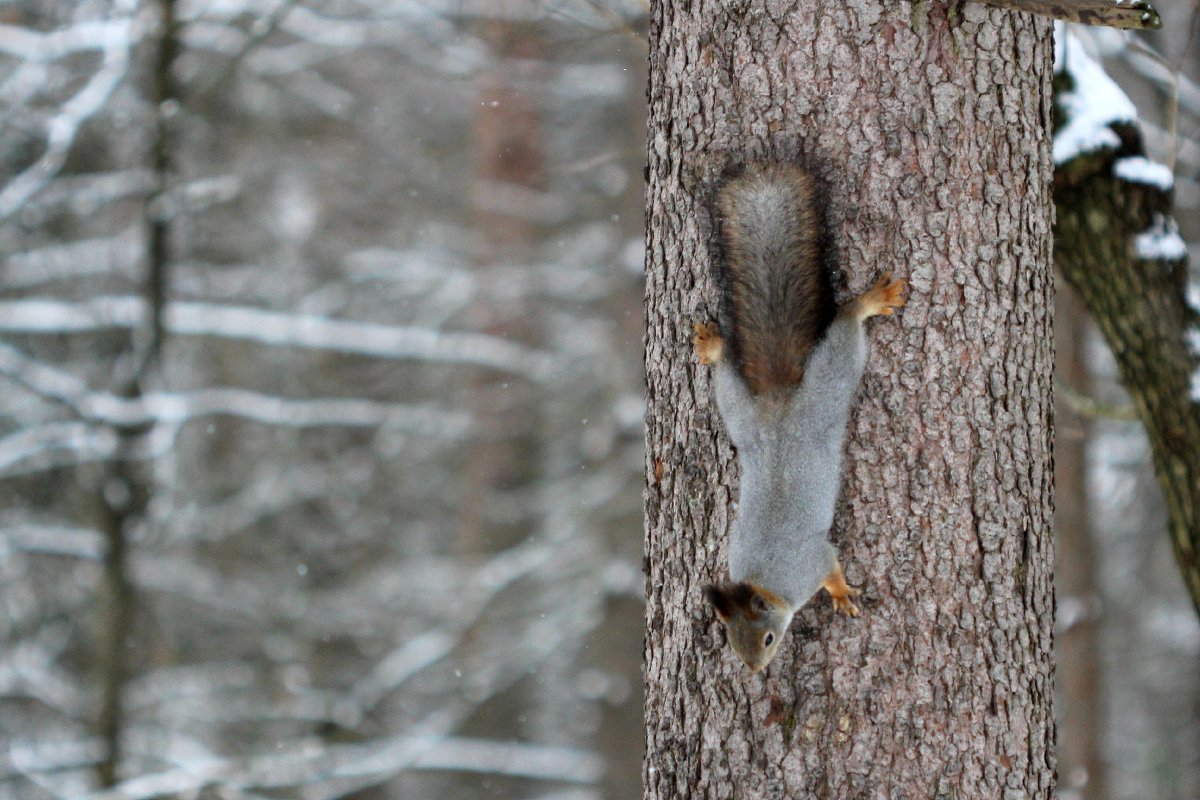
point(1077, 645)
point(507, 145)
point(124, 493)
point(933, 140)
point(1140, 305)
point(126, 486)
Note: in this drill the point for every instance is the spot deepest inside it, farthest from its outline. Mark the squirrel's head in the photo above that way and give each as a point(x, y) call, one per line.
point(755, 620)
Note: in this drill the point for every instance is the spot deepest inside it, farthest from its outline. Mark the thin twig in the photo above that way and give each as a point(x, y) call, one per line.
point(1137, 14)
point(1086, 406)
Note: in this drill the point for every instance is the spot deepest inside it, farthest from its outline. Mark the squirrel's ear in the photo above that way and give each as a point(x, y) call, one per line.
point(759, 604)
point(721, 602)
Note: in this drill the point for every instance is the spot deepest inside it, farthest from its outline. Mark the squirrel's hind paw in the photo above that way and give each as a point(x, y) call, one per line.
point(710, 347)
point(883, 298)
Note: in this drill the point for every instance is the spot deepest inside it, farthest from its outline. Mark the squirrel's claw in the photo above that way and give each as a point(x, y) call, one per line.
point(840, 592)
point(843, 605)
point(842, 602)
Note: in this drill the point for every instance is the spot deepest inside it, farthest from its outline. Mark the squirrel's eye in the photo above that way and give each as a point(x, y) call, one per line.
point(768, 639)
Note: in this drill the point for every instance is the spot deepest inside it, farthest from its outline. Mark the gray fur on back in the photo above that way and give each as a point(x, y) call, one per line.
point(790, 454)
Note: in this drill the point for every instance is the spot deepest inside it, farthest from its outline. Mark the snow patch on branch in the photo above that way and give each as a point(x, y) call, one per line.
point(1160, 242)
point(54, 444)
point(307, 331)
point(116, 39)
point(305, 765)
point(56, 540)
point(1192, 337)
point(1093, 104)
point(1193, 296)
point(1139, 169)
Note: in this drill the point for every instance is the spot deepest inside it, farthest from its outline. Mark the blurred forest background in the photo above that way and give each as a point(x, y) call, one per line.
point(321, 415)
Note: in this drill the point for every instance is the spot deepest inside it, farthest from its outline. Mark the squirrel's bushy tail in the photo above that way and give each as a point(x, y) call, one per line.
point(780, 300)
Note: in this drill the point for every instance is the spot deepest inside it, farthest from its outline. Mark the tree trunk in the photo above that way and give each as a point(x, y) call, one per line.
point(126, 486)
point(1140, 305)
point(1080, 674)
point(932, 138)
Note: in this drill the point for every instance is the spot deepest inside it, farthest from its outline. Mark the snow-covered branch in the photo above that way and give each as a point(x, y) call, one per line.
point(53, 445)
point(107, 255)
point(273, 410)
point(275, 328)
point(1092, 105)
point(116, 40)
point(31, 45)
point(58, 540)
point(300, 763)
point(43, 380)
point(1118, 245)
point(94, 409)
point(30, 669)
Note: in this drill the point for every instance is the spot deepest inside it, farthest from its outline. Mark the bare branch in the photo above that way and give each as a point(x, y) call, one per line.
point(1087, 406)
point(262, 28)
point(401, 664)
point(1111, 13)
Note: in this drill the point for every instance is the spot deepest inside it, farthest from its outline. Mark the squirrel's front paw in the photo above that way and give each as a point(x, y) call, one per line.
point(883, 298)
point(840, 592)
point(843, 604)
point(710, 347)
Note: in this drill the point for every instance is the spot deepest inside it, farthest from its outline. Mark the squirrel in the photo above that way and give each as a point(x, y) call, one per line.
point(786, 374)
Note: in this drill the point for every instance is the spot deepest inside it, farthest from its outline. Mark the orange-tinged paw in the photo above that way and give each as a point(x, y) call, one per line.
point(844, 605)
point(710, 347)
point(840, 592)
point(883, 298)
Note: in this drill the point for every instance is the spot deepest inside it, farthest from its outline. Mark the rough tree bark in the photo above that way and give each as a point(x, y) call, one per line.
point(933, 138)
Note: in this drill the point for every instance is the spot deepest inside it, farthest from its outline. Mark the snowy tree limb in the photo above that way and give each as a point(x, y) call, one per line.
point(276, 328)
point(116, 40)
point(300, 764)
point(1116, 245)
